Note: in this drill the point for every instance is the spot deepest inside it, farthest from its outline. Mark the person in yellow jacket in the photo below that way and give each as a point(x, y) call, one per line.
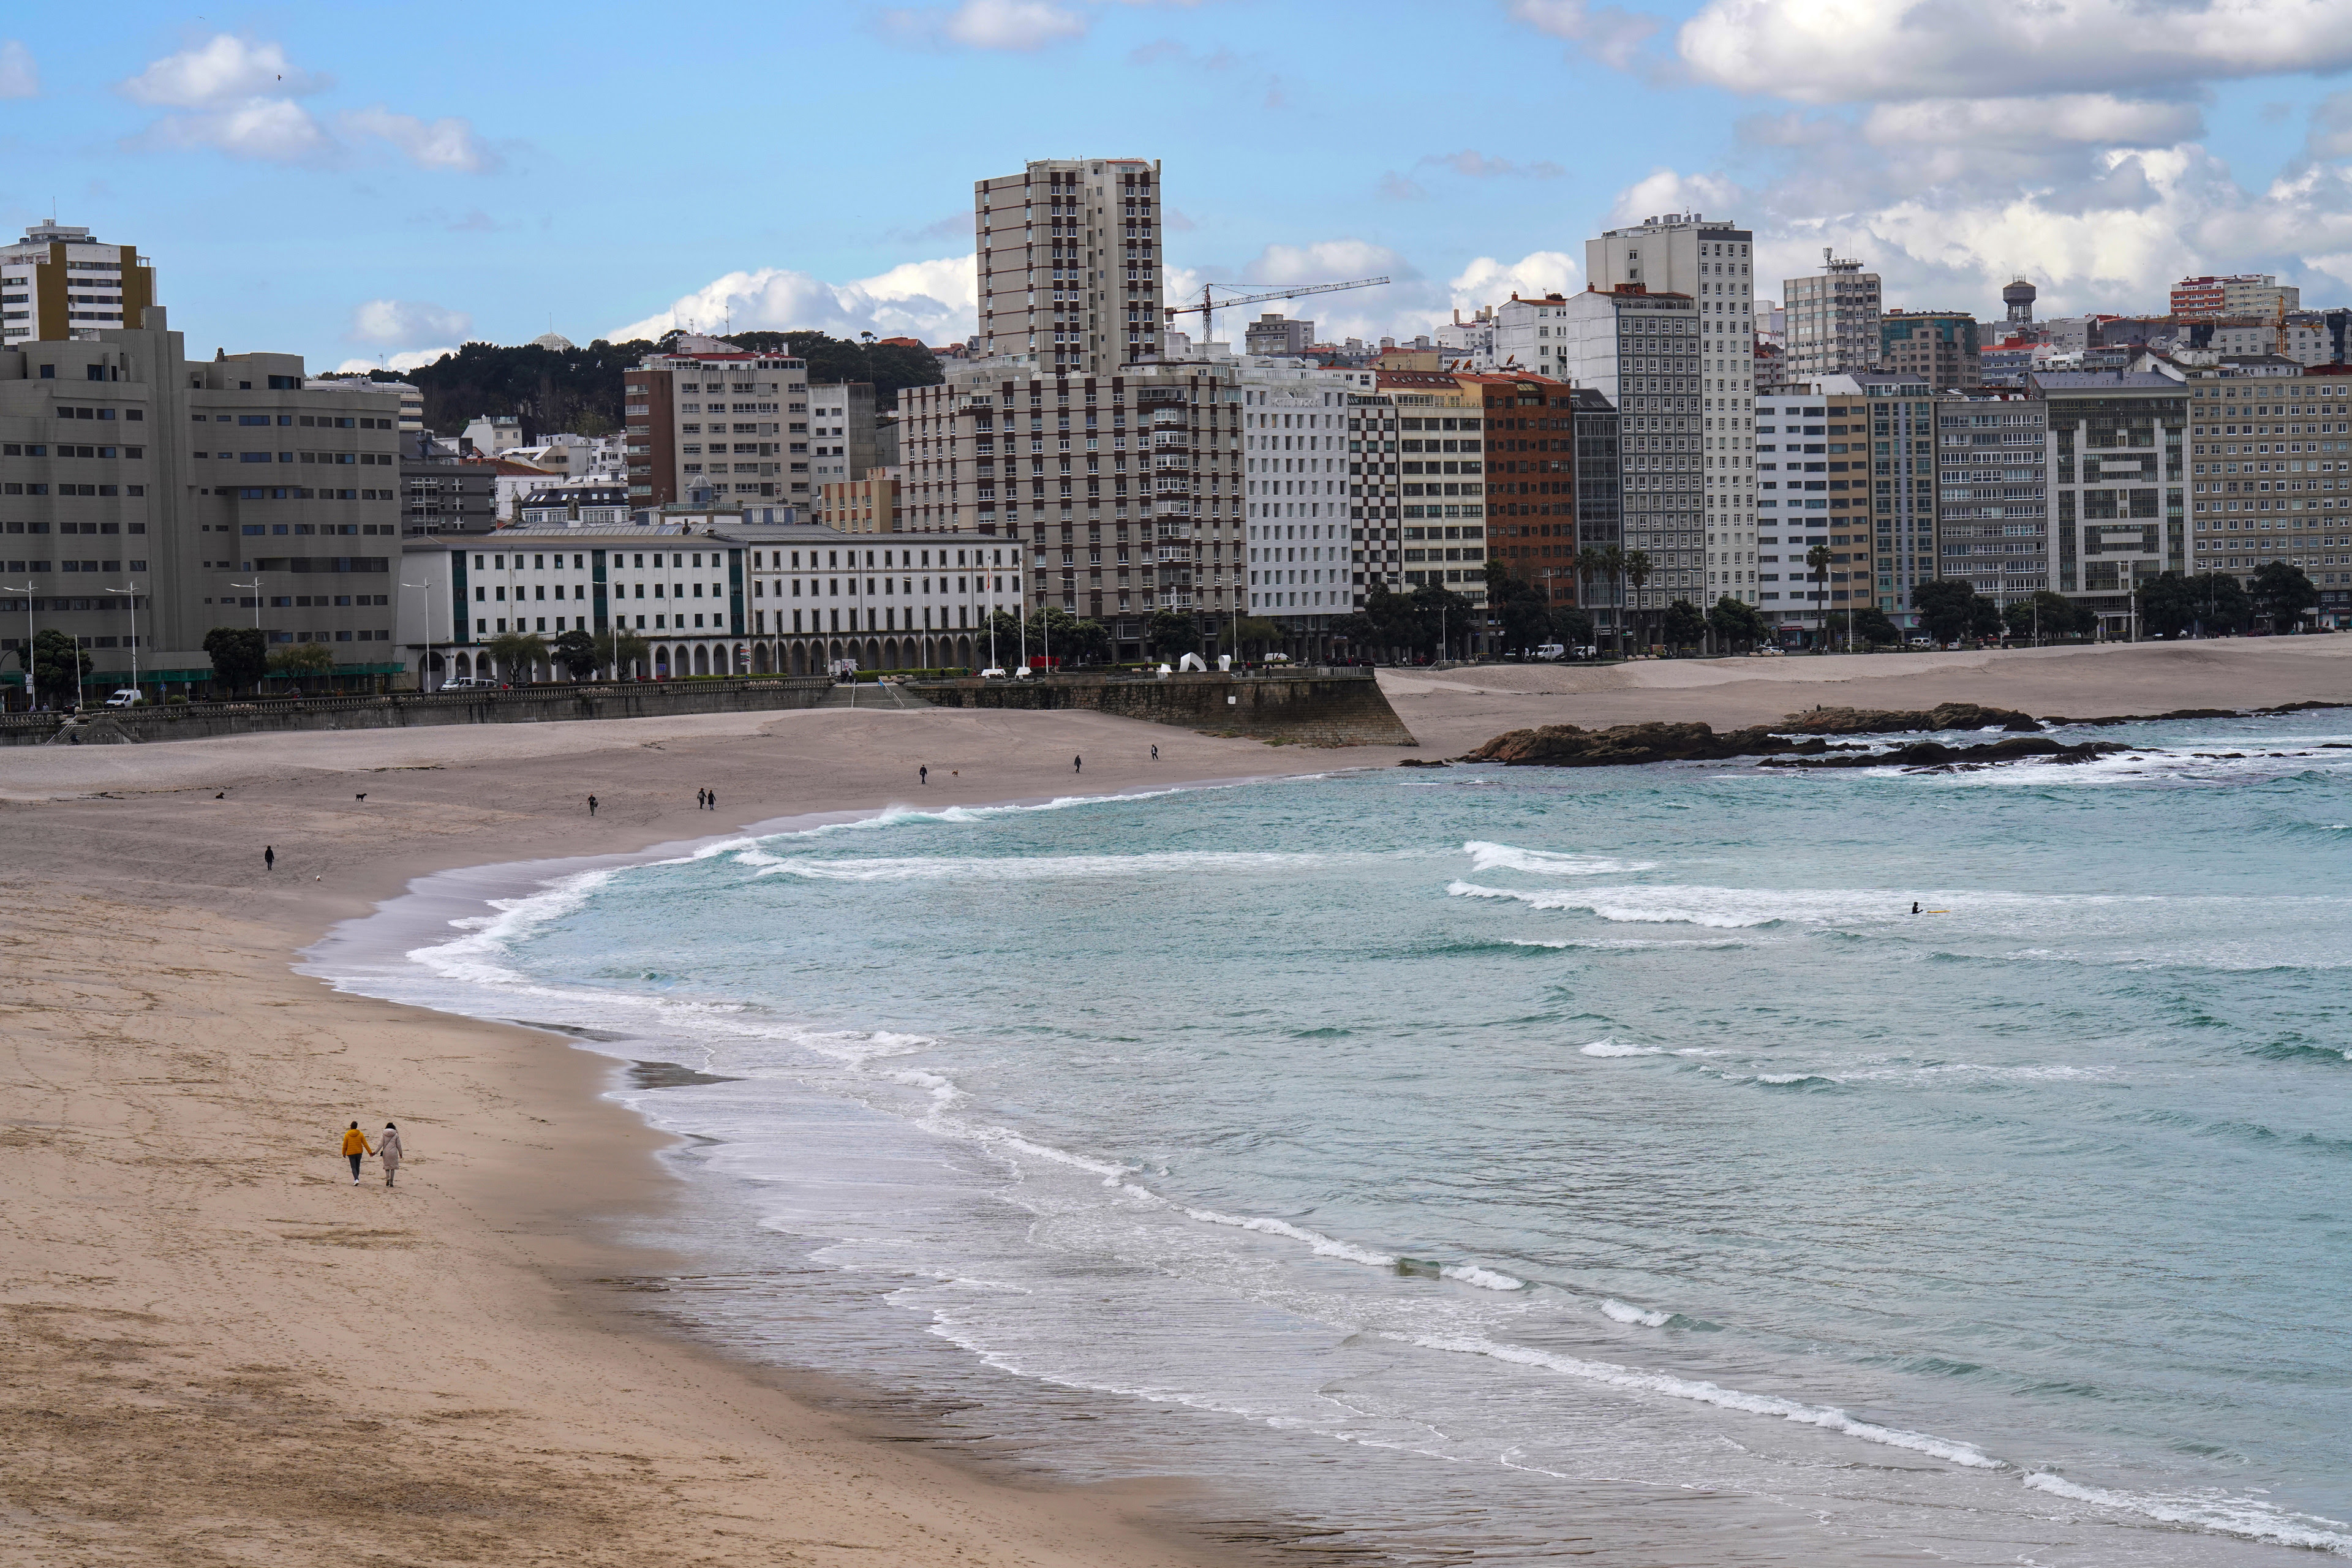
point(355, 1146)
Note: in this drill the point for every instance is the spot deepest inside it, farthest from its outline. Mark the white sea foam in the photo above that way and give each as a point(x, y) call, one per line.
point(1626, 1314)
point(1485, 1279)
point(2247, 1517)
point(1321, 1245)
point(1633, 1378)
point(1486, 856)
point(475, 956)
point(1618, 1048)
point(1035, 867)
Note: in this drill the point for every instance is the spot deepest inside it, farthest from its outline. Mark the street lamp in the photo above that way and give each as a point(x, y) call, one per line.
point(255, 586)
point(132, 604)
point(426, 669)
point(32, 691)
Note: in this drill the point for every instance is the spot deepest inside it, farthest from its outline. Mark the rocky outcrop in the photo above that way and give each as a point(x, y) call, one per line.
point(1887, 722)
point(1936, 756)
point(1567, 746)
point(2054, 721)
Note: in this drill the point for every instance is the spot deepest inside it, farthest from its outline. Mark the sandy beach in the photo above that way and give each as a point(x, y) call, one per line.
point(219, 1351)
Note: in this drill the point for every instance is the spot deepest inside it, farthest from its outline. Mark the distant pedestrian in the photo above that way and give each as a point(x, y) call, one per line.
point(710, 799)
point(592, 805)
point(1077, 764)
point(699, 798)
point(269, 859)
point(387, 1148)
point(924, 774)
point(355, 1146)
point(1155, 754)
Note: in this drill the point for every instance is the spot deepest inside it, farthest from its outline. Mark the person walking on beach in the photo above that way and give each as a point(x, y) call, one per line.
point(592, 805)
point(1155, 754)
point(387, 1148)
point(1077, 764)
point(710, 800)
point(268, 858)
point(355, 1147)
point(924, 774)
point(698, 798)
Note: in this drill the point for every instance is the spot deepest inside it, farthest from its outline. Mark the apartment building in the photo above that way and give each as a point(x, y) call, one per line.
point(1642, 352)
point(1069, 263)
point(1126, 490)
point(713, 419)
point(1298, 533)
point(869, 505)
point(1530, 336)
point(2118, 467)
point(145, 499)
point(2237, 294)
point(1992, 452)
point(442, 493)
point(1813, 472)
point(1711, 262)
point(1410, 434)
point(2271, 476)
point(1830, 320)
point(575, 504)
point(841, 436)
point(1938, 347)
point(58, 284)
point(1530, 478)
point(1278, 336)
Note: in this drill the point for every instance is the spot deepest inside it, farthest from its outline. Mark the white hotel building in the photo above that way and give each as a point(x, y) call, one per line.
point(1294, 471)
point(726, 600)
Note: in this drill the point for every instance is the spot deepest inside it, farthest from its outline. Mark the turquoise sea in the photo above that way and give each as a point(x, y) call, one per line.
point(1498, 1165)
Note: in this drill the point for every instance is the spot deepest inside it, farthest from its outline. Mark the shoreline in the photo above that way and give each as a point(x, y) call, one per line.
point(248, 1358)
point(656, 1445)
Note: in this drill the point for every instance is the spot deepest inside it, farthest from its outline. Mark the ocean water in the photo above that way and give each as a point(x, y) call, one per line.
point(1495, 1165)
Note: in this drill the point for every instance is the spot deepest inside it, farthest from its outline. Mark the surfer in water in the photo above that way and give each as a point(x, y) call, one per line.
point(1914, 906)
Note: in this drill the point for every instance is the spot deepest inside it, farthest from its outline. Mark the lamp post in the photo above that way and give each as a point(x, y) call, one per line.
point(132, 604)
point(427, 669)
point(255, 586)
point(32, 690)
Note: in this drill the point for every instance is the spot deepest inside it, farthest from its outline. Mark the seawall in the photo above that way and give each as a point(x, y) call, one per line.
point(531, 705)
point(1307, 707)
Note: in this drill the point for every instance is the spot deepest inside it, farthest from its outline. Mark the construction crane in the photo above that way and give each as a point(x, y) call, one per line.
point(1210, 305)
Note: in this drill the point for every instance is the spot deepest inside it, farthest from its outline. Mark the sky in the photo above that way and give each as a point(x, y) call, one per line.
point(369, 184)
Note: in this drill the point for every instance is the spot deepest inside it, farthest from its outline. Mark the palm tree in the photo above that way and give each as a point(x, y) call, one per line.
point(1635, 568)
point(1818, 558)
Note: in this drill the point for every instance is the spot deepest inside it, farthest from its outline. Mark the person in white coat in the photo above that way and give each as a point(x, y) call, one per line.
point(387, 1148)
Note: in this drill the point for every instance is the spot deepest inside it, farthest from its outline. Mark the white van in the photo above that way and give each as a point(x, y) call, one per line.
point(126, 697)
point(1552, 650)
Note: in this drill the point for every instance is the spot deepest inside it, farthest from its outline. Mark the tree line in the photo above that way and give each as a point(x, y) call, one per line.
point(579, 390)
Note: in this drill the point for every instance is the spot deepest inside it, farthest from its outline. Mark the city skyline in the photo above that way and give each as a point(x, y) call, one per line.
point(415, 186)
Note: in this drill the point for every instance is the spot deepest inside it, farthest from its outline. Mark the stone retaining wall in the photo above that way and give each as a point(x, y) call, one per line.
point(1318, 707)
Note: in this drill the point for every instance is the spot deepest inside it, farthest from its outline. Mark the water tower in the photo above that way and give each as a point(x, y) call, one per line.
point(2019, 296)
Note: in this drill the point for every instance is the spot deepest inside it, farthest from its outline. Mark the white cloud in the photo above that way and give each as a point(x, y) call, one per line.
point(1667, 191)
point(1610, 34)
point(240, 98)
point(1487, 282)
point(934, 300)
point(277, 130)
point(2025, 123)
point(1850, 51)
point(19, 77)
point(1326, 261)
point(414, 359)
point(220, 71)
point(400, 321)
point(1016, 24)
point(447, 143)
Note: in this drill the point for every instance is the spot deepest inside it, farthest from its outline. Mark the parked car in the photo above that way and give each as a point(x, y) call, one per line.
point(992, 673)
point(473, 683)
point(1919, 642)
point(126, 697)
point(1552, 650)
